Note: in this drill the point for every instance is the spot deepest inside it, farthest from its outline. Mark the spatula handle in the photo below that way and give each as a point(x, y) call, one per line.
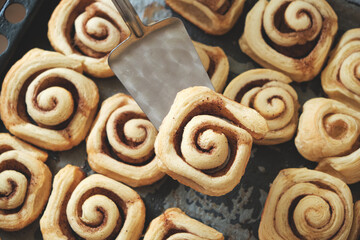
point(129, 14)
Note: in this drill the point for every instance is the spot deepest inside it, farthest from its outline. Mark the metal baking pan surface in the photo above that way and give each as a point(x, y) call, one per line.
point(237, 214)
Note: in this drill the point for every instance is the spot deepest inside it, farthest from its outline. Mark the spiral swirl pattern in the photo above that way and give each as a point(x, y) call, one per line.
point(215, 17)
point(47, 101)
point(97, 29)
point(341, 77)
point(25, 184)
point(329, 134)
point(215, 63)
point(205, 140)
point(121, 143)
point(307, 204)
point(174, 224)
point(269, 93)
point(290, 36)
point(95, 207)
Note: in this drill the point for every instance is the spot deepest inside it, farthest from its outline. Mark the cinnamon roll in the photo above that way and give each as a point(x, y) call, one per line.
point(341, 77)
point(293, 37)
point(8, 143)
point(329, 133)
point(174, 224)
point(355, 229)
point(25, 184)
point(215, 17)
point(95, 207)
point(269, 93)
point(306, 204)
point(215, 63)
point(87, 30)
point(205, 140)
point(46, 100)
point(121, 143)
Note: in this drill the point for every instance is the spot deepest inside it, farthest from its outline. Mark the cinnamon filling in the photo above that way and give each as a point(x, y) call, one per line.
point(19, 167)
point(107, 149)
point(216, 109)
point(77, 45)
point(63, 222)
point(212, 67)
point(79, 105)
point(297, 51)
point(116, 199)
point(337, 129)
point(248, 87)
point(5, 148)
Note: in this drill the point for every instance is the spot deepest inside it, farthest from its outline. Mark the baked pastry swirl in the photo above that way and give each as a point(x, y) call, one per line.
point(8, 143)
point(215, 17)
point(306, 204)
point(269, 93)
point(174, 224)
point(355, 229)
point(341, 77)
point(215, 63)
point(205, 140)
point(293, 37)
point(121, 143)
point(46, 101)
point(25, 184)
point(95, 207)
point(329, 133)
point(87, 30)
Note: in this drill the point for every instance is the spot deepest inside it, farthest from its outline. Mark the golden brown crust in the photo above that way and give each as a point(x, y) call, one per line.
point(176, 225)
point(213, 16)
point(46, 101)
point(98, 29)
point(268, 92)
point(95, 207)
point(8, 143)
point(25, 184)
point(121, 143)
point(215, 63)
point(341, 77)
point(329, 133)
point(306, 204)
point(298, 36)
point(196, 137)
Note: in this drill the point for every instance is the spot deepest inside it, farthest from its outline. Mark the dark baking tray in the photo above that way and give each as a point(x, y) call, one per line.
point(236, 214)
point(15, 31)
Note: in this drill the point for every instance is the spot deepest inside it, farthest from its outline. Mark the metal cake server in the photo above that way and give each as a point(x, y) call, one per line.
point(156, 62)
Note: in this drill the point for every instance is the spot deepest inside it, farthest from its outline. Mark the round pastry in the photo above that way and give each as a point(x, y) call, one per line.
point(329, 134)
point(95, 207)
point(205, 140)
point(25, 184)
point(215, 63)
point(87, 31)
point(355, 229)
point(8, 143)
point(306, 204)
point(341, 77)
point(174, 224)
point(121, 143)
point(269, 93)
point(293, 37)
point(215, 17)
point(46, 101)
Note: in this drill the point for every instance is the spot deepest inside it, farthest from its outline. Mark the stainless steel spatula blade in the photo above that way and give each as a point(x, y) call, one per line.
point(156, 62)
